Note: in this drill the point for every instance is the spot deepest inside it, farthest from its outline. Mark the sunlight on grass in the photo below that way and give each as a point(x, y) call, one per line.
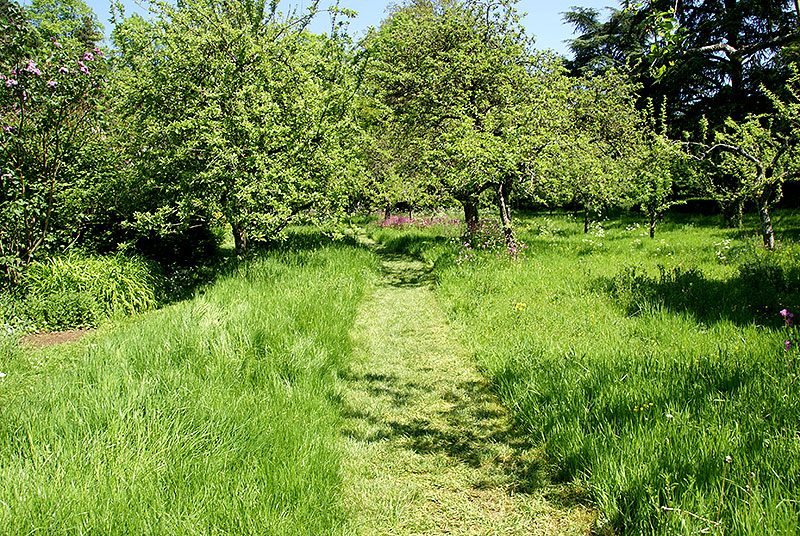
point(653, 370)
point(213, 416)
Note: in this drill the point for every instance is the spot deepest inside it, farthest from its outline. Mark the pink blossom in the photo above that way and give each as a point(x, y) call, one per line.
point(52, 83)
point(56, 43)
point(88, 56)
point(31, 68)
point(83, 68)
point(787, 318)
point(63, 70)
point(11, 82)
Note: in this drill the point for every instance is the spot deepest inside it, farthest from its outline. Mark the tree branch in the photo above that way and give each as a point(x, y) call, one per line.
point(731, 149)
point(742, 52)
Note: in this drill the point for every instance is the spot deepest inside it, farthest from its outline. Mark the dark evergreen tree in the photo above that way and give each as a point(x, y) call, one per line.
point(724, 50)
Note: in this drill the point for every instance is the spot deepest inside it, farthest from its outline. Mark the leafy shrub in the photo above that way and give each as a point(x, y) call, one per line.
point(79, 291)
point(119, 284)
point(62, 310)
point(12, 318)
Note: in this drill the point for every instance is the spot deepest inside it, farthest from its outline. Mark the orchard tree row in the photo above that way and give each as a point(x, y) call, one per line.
point(229, 112)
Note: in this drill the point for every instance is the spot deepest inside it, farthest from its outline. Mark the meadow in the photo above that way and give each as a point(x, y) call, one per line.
point(216, 415)
point(658, 378)
point(659, 375)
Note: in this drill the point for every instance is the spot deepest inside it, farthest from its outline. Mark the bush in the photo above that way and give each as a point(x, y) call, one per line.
point(79, 291)
point(119, 284)
point(62, 310)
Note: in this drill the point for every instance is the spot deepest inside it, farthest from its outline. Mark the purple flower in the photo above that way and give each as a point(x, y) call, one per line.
point(785, 313)
point(11, 82)
point(52, 83)
point(83, 68)
point(88, 56)
point(63, 70)
point(56, 43)
point(8, 128)
point(787, 345)
point(31, 68)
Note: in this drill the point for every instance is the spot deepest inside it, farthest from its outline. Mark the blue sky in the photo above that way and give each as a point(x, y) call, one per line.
point(543, 20)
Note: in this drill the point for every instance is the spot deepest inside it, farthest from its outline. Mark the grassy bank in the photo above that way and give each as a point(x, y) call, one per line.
point(654, 371)
point(213, 416)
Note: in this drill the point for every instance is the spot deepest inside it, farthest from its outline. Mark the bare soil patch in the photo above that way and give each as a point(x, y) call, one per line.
point(37, 340)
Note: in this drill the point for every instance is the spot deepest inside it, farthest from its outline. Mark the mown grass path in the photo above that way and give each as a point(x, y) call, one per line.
point(429, 448)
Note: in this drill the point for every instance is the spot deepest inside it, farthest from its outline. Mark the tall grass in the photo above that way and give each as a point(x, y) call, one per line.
point(79, 291)
point(119, 284)
point(214, 416)
point(654, 371)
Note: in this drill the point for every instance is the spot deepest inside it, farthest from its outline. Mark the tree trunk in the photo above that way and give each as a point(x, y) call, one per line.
point(767, 233)
point(733, 212)
point(505, 218)
point(470, 213)
point(239, 239)
point(653, 219)
point(387, 211)
point(586, 208)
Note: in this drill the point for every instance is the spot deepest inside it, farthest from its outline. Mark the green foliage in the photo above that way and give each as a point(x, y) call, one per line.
point(65, 20)
point(657, 165)
point(80, 291)
point(699, 58)
point(216, 415)
point(457, 77)
point(236, 113)
point(120, 284)
point(752, 159)
point(60, 310)
point(592, 146)
point(48, 112)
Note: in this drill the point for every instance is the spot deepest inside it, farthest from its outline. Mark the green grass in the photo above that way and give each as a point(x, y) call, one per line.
point(218, 415)
point(639, 365)
point(431, 450)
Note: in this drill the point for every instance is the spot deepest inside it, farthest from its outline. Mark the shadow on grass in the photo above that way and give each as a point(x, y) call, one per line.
point(756, 294)
point(466, 426)
point(183, 282)
point(401, 271)
point(412, 244)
